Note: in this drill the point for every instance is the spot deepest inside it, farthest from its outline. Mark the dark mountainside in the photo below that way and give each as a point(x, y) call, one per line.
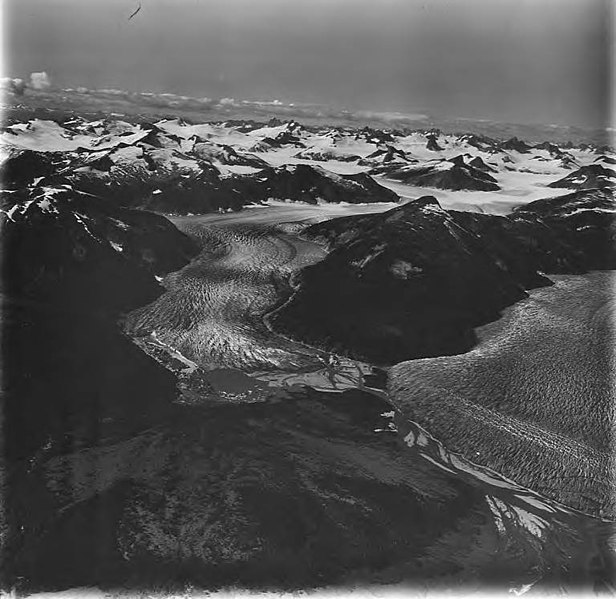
point(310, 184)
point(606, 159)
point(21, 167)
point(145, 184)
point(326, 155)
point(454, 174)
point(593, 176)
point(515, 144)
point(71, 265)
point(433, 143)
point(479, 163)
point(71, 378)
point(389, 154)
point(413, 282)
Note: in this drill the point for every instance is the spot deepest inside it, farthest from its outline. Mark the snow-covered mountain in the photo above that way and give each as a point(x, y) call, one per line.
point(453, 173)
point(455, 269)
point(592, 176)
point(179, 167)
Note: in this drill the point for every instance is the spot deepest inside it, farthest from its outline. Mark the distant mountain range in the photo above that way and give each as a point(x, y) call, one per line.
point(173, 166)
point(56, 103)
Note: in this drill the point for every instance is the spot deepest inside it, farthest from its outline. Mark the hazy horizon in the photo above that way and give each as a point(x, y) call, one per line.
point(520, 61)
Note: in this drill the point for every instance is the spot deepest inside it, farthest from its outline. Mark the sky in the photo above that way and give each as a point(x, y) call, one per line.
point(520, 61)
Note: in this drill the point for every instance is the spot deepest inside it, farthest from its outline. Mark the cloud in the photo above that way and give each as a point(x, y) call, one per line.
point(389, 117)
point(40, 80)
point(112, 92)
point(14, 86)
point(264, 103)
point(119, 97)
point(227, 102)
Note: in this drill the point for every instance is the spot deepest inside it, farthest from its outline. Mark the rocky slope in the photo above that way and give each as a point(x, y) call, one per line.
point(71, 265)
point(593, 176)
point(515, 144)
point(454, 174)
point(311, 184)
point(414, 281)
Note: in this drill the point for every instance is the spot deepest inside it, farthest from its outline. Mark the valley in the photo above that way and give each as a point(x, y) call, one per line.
point(399, 339)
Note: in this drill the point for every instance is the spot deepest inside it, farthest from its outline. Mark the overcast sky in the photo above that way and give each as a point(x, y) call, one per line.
point(542, 61)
